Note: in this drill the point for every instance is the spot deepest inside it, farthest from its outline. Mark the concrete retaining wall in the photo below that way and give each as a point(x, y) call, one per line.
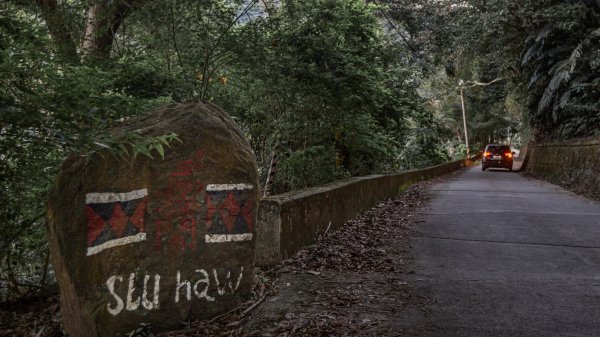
point(288, 222)
point(573, 165)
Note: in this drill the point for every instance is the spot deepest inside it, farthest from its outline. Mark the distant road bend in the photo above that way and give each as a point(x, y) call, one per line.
point(497, 254)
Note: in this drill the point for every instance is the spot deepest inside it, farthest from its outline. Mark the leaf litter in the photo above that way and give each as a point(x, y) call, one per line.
point(349, 283)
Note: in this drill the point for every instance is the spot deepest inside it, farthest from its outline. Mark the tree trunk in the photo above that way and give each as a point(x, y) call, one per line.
point(104, 17)
point(103, 20)
point(59, 31)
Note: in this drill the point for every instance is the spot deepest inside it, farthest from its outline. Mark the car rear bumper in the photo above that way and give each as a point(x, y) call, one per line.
point(496, 163)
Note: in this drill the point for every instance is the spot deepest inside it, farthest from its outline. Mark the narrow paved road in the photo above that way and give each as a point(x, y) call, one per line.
point(497, 254)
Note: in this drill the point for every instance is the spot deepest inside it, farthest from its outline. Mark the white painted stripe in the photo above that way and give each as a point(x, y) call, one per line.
point(116, 242)
point(219, 238)
point(228, 187)
point(102, 198)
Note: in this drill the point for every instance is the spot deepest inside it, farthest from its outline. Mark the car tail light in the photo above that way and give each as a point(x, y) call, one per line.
point(487, 154)
point(508, 155)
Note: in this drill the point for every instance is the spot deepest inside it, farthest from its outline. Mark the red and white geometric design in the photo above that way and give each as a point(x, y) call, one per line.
point(230, 213)
point(115, 219)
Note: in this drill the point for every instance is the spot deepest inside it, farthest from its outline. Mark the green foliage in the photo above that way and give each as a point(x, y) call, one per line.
point(310, 166)
point(547, 53)
point(134, 144)
point(48, 108)
point(561, 61)
point(321, 80)
point(423, 148)
point(326, 85)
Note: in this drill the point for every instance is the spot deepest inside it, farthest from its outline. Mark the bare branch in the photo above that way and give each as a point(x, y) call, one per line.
point(205, 72)
point(174, 37)
point(481, 84)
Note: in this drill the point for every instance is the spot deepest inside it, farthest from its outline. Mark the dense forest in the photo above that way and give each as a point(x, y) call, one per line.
point(328, 88)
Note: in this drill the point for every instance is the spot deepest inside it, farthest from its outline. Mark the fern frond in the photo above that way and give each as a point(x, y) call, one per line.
point(532, 52)
point(537, 42)
point(562, 72)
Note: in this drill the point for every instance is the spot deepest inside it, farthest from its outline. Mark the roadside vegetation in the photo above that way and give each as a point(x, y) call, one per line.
point(327, 88)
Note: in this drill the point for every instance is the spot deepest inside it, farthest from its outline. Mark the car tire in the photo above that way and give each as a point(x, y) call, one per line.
point(483, 168)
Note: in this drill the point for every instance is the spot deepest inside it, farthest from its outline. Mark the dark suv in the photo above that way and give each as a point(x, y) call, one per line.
point(497, 156)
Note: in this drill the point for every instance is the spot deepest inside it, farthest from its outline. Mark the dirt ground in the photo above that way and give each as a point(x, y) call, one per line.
point(352, 282)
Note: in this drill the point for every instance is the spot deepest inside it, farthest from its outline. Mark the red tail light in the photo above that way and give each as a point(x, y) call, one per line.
point(487, 154)
point(508, 155)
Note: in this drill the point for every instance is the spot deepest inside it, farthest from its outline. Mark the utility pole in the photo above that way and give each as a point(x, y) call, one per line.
point(462, 101)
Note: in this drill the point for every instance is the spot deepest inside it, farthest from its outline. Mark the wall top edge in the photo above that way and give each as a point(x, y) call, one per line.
point(310, 191)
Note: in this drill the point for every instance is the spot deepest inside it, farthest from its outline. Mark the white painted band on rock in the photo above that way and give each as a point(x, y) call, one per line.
point(219, 238)
point(228, 187)
point(102, 198)
point(116, 242)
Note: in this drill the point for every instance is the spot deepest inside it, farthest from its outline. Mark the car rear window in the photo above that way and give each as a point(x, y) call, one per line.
point(498, 149)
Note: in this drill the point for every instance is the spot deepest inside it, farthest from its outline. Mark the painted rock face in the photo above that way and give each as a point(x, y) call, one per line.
point(156, 241)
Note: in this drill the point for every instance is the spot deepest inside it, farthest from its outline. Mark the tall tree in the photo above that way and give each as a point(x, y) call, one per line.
point(102, 21)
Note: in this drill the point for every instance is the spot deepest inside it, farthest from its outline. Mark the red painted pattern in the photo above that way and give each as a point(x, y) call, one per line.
point(107, 221)
point(119, 220)
point(229, 212)
point(95, 225)
point(179, 207)
point(137, 218)
point(247, 213)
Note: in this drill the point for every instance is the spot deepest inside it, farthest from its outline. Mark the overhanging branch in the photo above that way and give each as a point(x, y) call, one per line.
point(482, 84)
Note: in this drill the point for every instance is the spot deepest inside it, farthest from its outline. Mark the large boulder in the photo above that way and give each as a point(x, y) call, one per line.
point(156, 241)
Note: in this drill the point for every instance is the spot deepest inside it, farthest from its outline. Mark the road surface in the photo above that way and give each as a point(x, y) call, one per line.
point(498, 254)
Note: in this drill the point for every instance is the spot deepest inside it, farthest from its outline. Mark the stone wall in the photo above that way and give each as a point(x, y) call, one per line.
point(288, 222)
point(573, 165)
